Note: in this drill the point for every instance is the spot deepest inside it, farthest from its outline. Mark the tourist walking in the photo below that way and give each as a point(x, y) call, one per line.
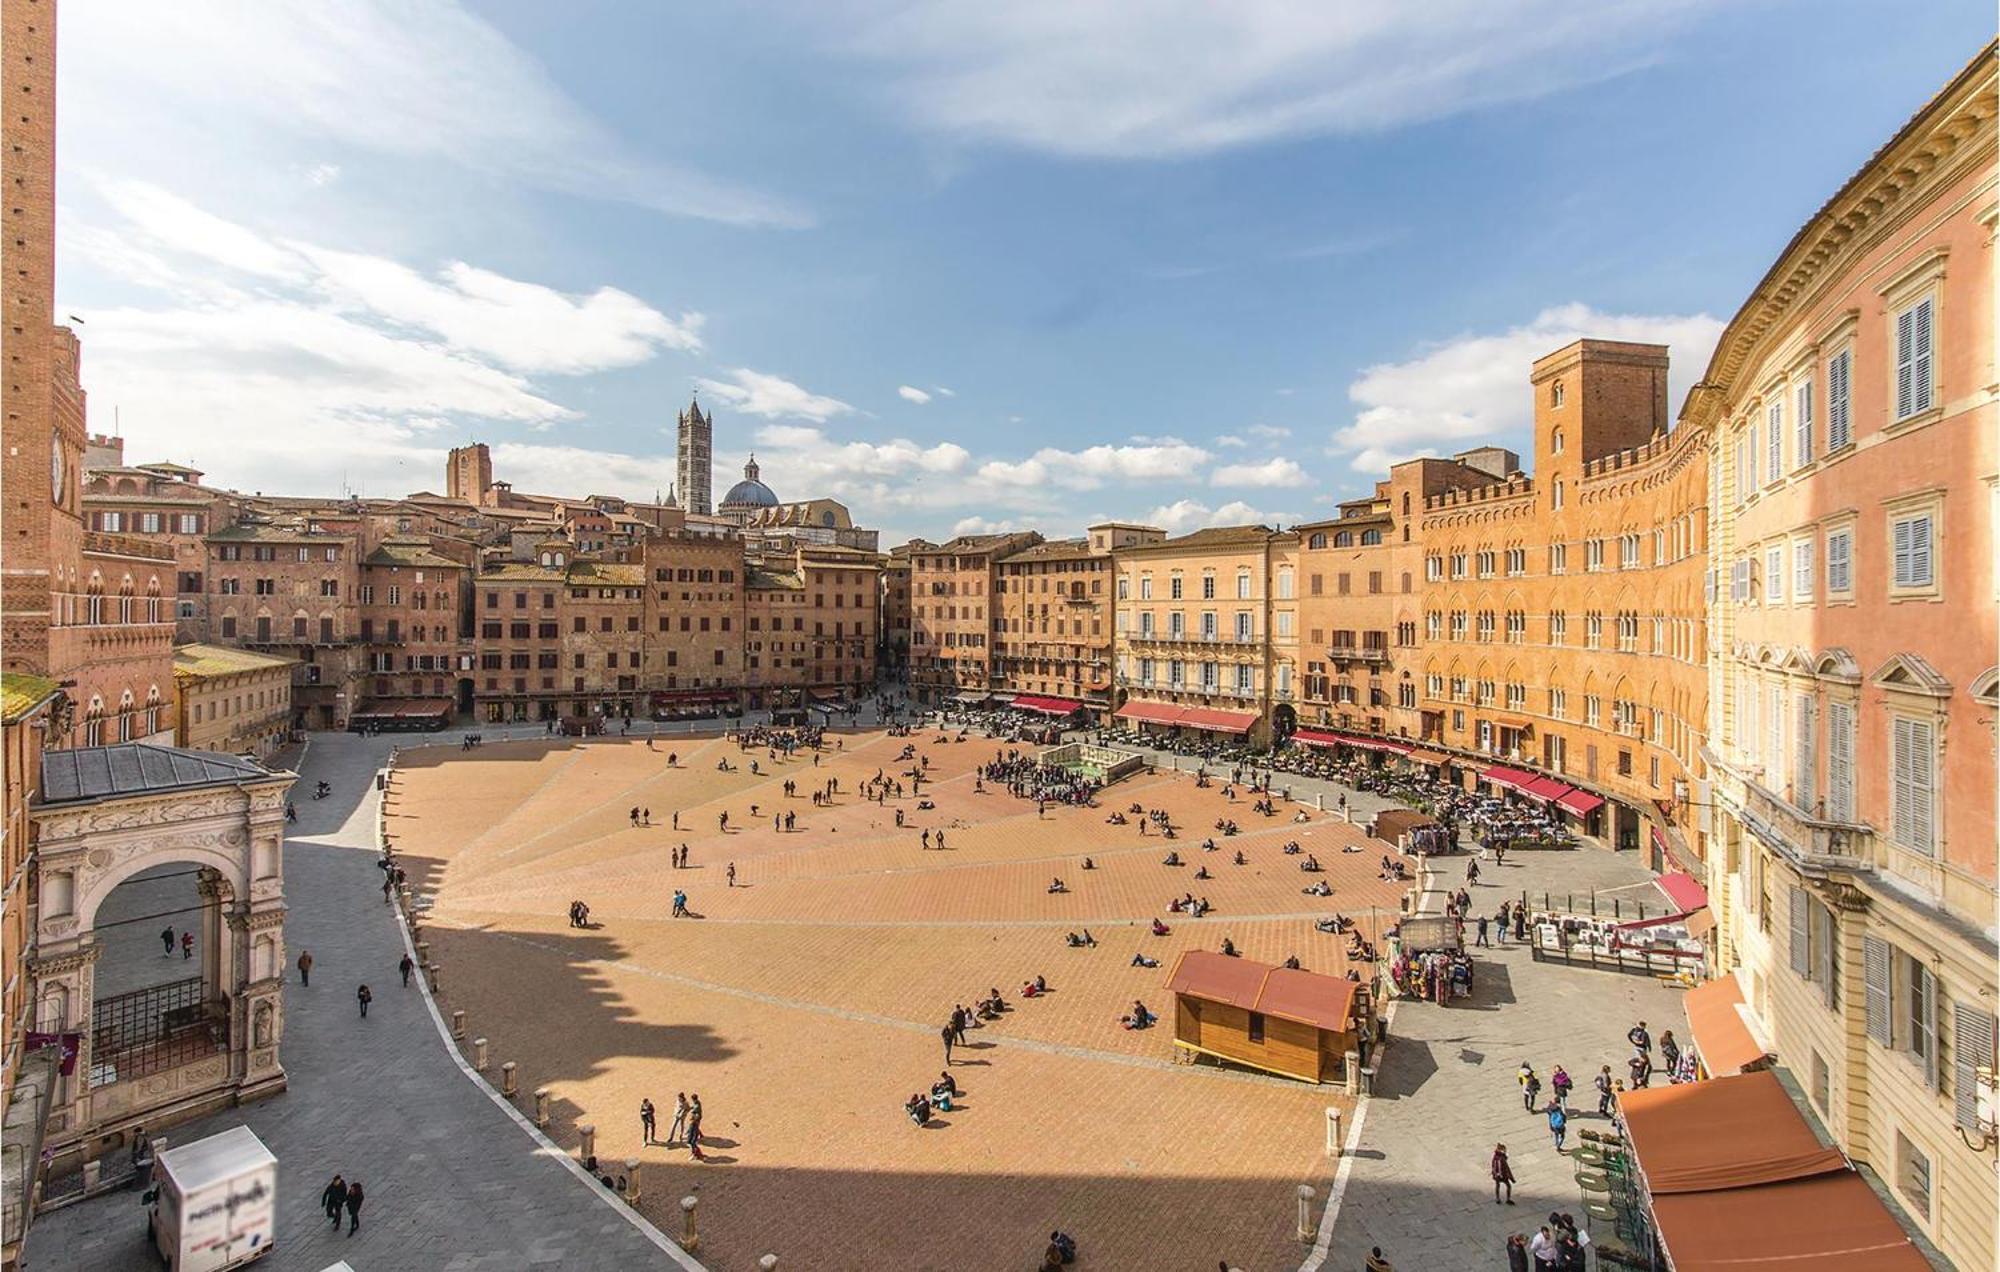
point(332, 1198)
point(732, 874)
point(406, 966)
point(364, 996)
point(1639, 1038)
point(1482, 932)
point(1670, 1051)
point(948, 1035)
point(187, 945)
point(305, 967)
point(646, 1119)
point(1531, 1087)
point(167, 940)
point(1558, 1123)
point(354, 1200)
point(1503, 1174)
point(1603, 1081)
point(675, 1131)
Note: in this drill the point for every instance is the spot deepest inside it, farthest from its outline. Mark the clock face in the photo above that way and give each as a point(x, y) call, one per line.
point(56, 470)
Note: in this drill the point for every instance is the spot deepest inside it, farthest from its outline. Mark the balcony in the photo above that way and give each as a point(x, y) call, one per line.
point(1815, 845)
point(1363, 654)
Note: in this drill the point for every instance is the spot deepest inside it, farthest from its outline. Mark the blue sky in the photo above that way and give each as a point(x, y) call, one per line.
point(963, 266)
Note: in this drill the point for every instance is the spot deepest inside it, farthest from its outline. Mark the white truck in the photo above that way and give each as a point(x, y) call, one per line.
point(215, 1202)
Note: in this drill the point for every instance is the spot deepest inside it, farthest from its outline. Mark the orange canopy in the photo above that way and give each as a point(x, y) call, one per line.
point(1721, 1037)
point(1723, 1133)
point(1829, 1223)
point(1737, 1179)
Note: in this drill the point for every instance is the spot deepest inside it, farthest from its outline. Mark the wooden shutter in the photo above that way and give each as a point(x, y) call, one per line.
point(1972, 1039)
point(1837, 412)
point(1840, 761)
point(1823, 953)
point(1805, 758)
point(1914, 784)
point(1926, 1023)
point(1920, 551)
point(1800, 938)
point(1839, 562)
point(1804, 407)
point(1905, 357)
point(1920, 357)
point(1875, 975)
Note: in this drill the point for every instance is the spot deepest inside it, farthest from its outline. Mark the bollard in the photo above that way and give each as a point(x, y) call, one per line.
point(1333, 1140)
point(1306, 1232)
point(541, 1106)
point(458, 1025)
point(1368, 1080)
point(510, 1081)
point(689, 1241)
point(423, 953)
point(632, 1180)
point(433, 969)
point(479, 1055)
point(588, 1133)
point(1353, 1074)
point(768, 1263)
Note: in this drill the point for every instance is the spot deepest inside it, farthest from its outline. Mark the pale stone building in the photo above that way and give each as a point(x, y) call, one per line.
point(1853, 680)
point(237, 701)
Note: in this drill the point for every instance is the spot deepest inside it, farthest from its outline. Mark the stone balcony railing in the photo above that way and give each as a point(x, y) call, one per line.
point(1815, 844)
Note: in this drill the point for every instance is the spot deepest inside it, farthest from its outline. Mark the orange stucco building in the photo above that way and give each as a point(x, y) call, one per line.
point(1563, 614)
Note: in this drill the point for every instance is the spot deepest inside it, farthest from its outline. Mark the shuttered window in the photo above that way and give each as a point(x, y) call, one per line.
point(1923, 1040)
point(1774, 441)
point(1912, 543)
point(1774, 741)
point(1839, 429)
point(1913, 359)
point(1840, 761)
point(1802, 408)
point(1801, 939)
point(1972, 1038)
point(1913, 769)
point(1825, 954)
point(1840, 562)
point(1805, 752)
point(1875, 975)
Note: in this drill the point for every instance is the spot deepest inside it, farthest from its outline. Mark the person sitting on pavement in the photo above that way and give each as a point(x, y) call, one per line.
point(1161, 929)
point(1140, 960)
point(1057, 885)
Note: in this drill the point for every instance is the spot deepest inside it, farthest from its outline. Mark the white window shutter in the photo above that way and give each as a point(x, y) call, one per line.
point(1972, 1039)
point(1902, 536)
point(1840, 761)
point(1800, 941)
point(1875, 972)
point(1905, 355)
point(1920, 551)
point(1837, 411)
point(1927, 1006)
point(1920, 358)
point(1805, 760)
point(1804, 409)
point(1913, 774)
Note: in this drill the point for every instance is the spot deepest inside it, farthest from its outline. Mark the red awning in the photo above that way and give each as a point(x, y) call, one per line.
point(1046, 706)
point(1512, 779)
point(1318, 737)
point(1326, 737)
point(1545, 788)
point(1151, 712)
point(1218, 721)
point(1681, 889)
point(1582, 803)
point(1721, 1036)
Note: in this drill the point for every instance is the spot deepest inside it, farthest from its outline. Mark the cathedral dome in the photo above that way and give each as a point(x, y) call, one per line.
point(750, 492)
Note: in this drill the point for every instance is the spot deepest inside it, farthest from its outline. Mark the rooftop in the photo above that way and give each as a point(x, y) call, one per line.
point(138, 768)
point(20, 694)
point(222, 660)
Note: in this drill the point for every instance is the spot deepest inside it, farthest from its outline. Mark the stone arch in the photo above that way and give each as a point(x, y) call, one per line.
point(52, 1009)
point(97, 882)
point(1985, 687)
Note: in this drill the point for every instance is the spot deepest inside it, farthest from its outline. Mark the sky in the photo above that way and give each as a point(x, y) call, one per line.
point(965, 267)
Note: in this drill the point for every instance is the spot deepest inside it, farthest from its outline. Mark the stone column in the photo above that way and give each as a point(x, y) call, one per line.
point(458, 1025)
point(479, 1055)
point(510, 1081)
point(632, 1180)
point(689, 1241)
point(541, 1106)
point(587, 1133)
point(1306, 1227)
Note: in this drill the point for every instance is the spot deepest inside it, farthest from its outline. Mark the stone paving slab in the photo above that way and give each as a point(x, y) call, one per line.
point(451, 1183)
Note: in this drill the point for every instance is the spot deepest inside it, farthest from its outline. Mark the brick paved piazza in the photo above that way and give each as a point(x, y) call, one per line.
point(804, 1004)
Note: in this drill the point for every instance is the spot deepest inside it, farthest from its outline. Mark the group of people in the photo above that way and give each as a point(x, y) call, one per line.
point(1025, 777)
point(686, 1125)
point(943, 1094)
point(342, 1194)
point(579, 915)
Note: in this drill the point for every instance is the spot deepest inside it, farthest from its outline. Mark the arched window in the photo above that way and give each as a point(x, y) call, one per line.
point(1344, 539)
point(1369, 538)
point(125, 716)
point(1318, 540)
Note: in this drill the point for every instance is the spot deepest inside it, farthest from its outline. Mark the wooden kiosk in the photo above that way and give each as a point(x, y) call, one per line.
point(1295, 1024)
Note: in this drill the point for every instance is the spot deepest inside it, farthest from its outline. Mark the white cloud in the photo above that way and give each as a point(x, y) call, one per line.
point(909, 394)
point(321, 174)
point(772, 397)
point(942, 391)
point(1270, 432)
point(1277, 471)
point(1231, 440)
point(1157, 78)
point(983, 525)
point(1167, 459)
point(430, 83)
point(165, 220)
point(1473, 389)
point(1183, 515)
